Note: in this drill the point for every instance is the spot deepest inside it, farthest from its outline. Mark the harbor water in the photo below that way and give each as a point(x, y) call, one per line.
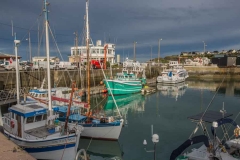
point(167, 110)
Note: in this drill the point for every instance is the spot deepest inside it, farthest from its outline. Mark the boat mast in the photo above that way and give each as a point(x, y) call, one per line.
point(69, 107)
point(88, 64)
point(17, 42)
point(48, 57)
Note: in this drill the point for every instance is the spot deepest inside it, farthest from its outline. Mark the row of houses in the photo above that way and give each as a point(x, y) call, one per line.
point(192, 53)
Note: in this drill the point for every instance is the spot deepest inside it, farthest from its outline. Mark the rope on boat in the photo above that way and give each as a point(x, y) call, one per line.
point(65, 146)
point(207, 109)
point(111, 92)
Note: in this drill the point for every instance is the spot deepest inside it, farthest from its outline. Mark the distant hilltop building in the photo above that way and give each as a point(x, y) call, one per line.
point(96, 52)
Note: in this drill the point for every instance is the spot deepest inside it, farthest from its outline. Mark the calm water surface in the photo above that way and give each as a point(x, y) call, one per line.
point(167, 110)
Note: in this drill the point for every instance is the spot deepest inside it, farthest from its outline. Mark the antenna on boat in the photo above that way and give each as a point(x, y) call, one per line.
point(223, 111)
point(48, 57)
point(12, 28)
point(17, 43)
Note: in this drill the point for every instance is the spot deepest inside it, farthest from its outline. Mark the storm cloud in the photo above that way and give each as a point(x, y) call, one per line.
point(182, 24)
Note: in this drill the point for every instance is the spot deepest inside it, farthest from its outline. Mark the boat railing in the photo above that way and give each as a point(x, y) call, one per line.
point(7, 115)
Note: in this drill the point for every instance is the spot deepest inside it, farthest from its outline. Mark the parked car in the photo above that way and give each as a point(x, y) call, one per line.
point(11, 65)
point(43, 65)
point(67, 65)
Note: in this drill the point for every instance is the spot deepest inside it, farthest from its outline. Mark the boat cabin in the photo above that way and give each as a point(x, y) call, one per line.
point(124, 76)
point(28, 120)
point(36, 93)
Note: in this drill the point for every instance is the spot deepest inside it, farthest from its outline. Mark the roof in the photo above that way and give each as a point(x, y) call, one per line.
point(45, 57)
point(29, 110)
point(4, 55)
point(210, 116)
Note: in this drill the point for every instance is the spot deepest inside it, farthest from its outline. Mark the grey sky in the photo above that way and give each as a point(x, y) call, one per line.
point(182, 24)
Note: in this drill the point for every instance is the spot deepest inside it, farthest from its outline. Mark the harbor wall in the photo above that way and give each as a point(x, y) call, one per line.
point(62, 78)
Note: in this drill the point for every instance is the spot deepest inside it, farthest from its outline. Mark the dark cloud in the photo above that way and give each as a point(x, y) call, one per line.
point(183, 25)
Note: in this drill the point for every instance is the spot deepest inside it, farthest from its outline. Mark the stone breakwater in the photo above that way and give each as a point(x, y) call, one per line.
point(212, 72)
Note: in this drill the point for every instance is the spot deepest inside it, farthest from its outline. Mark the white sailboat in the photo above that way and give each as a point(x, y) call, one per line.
point(33, 126)
point(105, 128)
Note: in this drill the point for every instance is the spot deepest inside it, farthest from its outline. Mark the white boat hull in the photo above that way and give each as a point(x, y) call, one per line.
point(104, 133)
point(169, 80)
point(62, 147)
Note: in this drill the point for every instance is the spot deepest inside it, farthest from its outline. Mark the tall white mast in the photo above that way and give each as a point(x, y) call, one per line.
point(48, 57)
point(17, 42)
point(87, 45)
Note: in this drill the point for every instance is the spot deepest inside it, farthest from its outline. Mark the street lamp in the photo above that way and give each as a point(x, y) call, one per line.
point(159, 50)
point(134, 51)
point(29, 45)
point(155, 140)
point(204, 45)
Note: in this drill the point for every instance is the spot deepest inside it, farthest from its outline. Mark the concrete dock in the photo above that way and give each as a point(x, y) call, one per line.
point(10, 151)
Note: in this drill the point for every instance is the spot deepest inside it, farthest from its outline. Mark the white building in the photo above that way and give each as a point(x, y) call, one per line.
point(96, 52)
point(42, 58)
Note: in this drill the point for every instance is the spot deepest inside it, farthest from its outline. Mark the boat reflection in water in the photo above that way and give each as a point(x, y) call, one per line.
point(173, 90)
point(101, 150)
point(135, 102)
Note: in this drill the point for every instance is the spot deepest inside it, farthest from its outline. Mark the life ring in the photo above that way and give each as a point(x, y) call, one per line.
point(12, 124)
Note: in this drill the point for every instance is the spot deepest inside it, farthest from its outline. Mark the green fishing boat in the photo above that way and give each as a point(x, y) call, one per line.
point(124, 83)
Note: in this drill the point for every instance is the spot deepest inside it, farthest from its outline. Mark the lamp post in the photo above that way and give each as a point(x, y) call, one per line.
point(150, 64)
point(29, 45)
point(155, 140)
point(159, 50)
point(204, 45)
point(134, 51)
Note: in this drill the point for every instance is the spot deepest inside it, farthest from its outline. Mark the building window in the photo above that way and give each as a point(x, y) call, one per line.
point(84, 51)
point(102, 51)
point(12, 115)
point(109, 51)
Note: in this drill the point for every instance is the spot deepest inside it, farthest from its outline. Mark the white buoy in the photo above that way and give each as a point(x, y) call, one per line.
point(155, 138)
point(215, 124)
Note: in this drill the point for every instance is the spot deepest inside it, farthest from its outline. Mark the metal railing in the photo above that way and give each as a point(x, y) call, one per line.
point(12, 93)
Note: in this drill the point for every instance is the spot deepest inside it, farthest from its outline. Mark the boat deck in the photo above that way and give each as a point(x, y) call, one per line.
point(41, 132)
